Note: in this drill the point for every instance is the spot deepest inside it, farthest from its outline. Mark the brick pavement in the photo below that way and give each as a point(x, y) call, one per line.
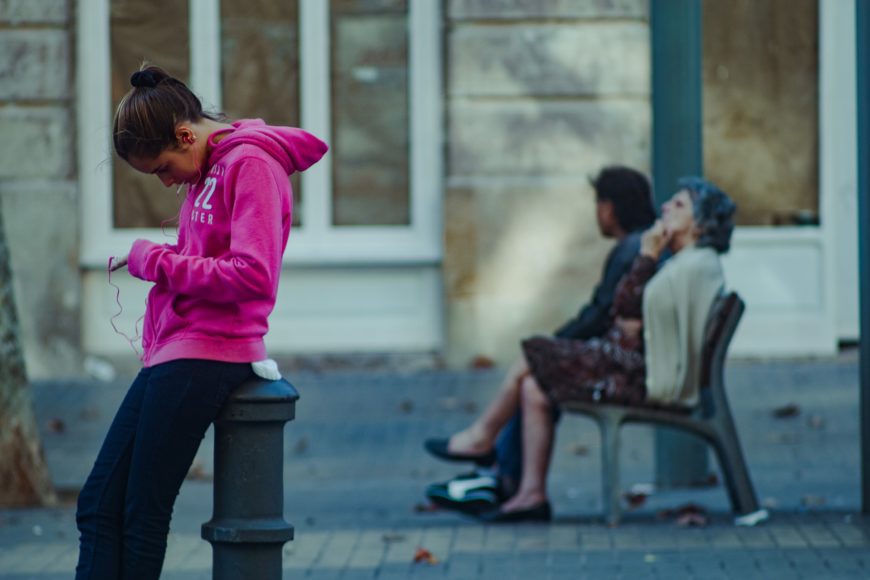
point(354, 472)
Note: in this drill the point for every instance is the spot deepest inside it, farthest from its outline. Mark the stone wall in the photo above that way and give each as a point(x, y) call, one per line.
point(540, 95)
point(38, 186)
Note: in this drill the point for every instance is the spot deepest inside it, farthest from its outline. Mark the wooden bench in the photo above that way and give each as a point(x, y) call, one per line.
point(710, 419)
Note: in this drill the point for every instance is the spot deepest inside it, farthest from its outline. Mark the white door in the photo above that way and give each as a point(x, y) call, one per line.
point(363, 262)
point(782, 112)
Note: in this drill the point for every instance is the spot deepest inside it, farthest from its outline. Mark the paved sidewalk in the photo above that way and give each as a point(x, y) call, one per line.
point(355, 472)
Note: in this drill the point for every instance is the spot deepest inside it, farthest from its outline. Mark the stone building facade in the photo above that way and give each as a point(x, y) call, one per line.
point(512, 105)
point(38, 177)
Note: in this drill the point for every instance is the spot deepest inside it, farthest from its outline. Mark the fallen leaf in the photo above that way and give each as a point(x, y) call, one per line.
point(301, 446)
point(812, 500)
point(712, 480)
point(687, 515)
point(637, 495)
point(406, 406)
point(421, 508)
point(644, 488)
point(692, 520)
point(691, 508)
point(787, 411)
point(578, 449)
point(482, 362)
point(815, 422)
point(56, 425)
point(634, 500)
point(424, 555)
point(197, 472)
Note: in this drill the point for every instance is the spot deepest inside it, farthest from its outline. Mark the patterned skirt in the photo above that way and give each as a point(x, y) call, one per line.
point(598, 370)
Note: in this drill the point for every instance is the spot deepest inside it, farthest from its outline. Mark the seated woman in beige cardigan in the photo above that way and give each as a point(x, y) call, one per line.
point(651, 352)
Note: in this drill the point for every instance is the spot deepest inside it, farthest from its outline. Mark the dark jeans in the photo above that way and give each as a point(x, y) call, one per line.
point(125, 506)
point(509, 448)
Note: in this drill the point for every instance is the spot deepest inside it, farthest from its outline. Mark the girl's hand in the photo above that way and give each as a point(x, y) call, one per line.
point(654, 240)
point(118, 263)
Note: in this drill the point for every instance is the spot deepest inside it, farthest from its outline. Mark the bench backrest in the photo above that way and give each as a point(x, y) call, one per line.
point(725, 314)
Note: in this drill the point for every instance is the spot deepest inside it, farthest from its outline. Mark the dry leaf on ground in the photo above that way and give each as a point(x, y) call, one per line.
point(687, 515)
point(301, 446)
point(579, 449)
point(812, 500)
point(815, 422)
point(787, 411)
point(197, 472)
point(421, 508)
point(424, 555)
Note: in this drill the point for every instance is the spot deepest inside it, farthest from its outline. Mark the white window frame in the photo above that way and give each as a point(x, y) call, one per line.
point(317, 241)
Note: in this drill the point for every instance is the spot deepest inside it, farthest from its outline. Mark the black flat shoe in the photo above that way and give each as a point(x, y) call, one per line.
point(540, 513)
point(438, 448)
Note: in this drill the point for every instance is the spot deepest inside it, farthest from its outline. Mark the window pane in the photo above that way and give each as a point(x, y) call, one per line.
point(761, 107)
point(370, 127)
point(156, 31)
point(260, 60)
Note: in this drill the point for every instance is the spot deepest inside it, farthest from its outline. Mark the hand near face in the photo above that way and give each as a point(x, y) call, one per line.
point(655, 240)
point(630, 327)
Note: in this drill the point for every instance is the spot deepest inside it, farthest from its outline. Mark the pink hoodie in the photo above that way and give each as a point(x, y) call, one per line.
point(214, 290)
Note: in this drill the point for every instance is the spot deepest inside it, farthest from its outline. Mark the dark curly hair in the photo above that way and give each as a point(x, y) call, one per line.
point(713, 212)
point(630, 193)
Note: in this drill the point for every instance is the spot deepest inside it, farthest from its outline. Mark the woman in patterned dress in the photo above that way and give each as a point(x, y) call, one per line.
point(649, 353)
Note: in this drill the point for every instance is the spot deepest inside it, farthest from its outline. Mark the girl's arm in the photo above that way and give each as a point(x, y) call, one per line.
point(250, 270)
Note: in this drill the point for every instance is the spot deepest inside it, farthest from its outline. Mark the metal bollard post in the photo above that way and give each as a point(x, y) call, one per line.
point(247, 530)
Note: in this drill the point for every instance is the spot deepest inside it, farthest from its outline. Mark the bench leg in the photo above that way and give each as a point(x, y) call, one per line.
point(609, 426)
point(731, 460)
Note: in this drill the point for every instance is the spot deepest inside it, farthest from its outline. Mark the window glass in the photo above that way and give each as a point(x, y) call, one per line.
point(260, 66)
point(156, 31)
point(761, 132)
point(370, 125)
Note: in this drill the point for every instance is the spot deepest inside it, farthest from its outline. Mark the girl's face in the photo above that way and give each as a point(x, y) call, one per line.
point(173, 166)
point(678, 214)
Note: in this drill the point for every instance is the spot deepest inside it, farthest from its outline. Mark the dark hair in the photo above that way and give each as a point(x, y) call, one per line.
point(630, 193)
point(713, 211)
point(145, 119)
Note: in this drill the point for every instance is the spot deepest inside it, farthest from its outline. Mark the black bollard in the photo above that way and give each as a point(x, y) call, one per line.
point(247, 530)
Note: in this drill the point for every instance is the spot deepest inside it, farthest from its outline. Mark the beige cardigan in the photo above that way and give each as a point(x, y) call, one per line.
point(676, 303)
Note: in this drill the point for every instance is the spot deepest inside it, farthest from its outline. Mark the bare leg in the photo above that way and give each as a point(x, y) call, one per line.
point(480, 436)
point(537, 448)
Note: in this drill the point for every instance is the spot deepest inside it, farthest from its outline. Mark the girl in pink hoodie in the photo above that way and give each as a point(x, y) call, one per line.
point(207, 312)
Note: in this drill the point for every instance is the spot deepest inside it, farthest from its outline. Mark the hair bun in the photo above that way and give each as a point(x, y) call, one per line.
point(143, 78)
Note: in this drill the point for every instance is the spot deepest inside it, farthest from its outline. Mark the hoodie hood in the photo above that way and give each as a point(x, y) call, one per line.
point(295, 149)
